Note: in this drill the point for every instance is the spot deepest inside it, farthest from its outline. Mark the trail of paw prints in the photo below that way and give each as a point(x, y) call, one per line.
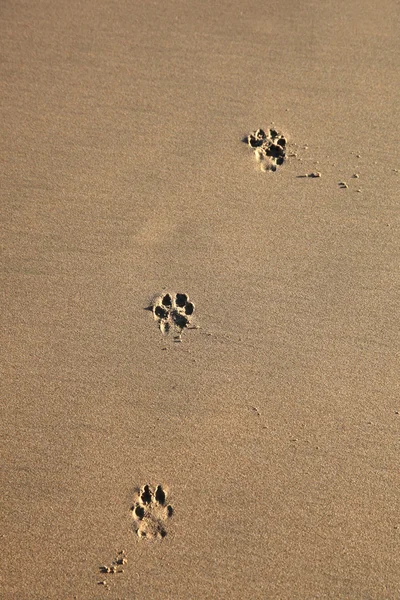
point(269, 148)
point(173, 312)
point(150, 512)
point(115, 567)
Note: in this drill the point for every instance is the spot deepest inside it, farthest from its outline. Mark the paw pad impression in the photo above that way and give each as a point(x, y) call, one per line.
point(173, 311)
point(150, 512)
point(269, 148)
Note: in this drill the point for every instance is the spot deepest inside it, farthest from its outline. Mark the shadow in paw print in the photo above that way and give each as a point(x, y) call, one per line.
point(173, 312)
point(167, 301)
point(269, 148)
point(150, 512)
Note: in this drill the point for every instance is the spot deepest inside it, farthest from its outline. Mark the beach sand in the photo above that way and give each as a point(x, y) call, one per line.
point(273, 425)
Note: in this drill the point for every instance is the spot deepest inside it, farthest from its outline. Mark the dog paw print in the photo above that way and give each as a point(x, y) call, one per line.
point(173, 312)
point(269, 148)
point(150, 512)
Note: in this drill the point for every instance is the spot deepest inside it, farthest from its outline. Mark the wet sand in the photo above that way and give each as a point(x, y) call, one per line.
point(273, 426)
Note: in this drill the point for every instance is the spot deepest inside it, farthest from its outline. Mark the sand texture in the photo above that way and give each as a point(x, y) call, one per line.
point(200, 342)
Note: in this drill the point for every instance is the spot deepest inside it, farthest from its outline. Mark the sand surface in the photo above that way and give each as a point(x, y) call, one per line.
point(273, 427)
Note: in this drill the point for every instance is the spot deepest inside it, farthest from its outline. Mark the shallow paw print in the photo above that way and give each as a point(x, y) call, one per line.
point(269, 148)
point(173, 312)
point(150, 512)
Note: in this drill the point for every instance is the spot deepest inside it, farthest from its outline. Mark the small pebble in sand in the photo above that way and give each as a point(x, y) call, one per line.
point(316, 174)
point(343, 184)
point(355, 176)
point(359, 191)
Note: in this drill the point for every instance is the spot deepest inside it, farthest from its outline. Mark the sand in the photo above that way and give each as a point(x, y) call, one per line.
point(272, 427)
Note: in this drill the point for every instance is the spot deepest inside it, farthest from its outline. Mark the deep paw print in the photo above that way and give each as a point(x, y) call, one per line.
point(173, 312)
point(150, 512)
point(269, 148)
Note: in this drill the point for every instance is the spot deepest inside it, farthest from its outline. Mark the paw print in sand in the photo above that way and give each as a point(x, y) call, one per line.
point(269, 148)
point(150, 512)
point(173, 312)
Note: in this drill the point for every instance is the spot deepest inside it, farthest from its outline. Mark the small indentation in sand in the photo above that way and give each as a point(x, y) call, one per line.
point(313, 175)
point(115, 567)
